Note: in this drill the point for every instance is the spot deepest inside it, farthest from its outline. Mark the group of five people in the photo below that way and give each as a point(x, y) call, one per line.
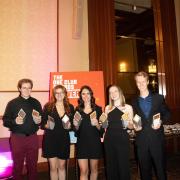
point(23, 115)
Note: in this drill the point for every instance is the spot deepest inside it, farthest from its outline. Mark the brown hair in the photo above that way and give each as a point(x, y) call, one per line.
point(53, 100)
point(80, 100)
point(142, 73)
point(122, 98)
point(23, 81)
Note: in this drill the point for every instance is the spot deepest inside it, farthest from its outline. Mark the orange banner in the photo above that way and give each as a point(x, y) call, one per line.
point(74, 80)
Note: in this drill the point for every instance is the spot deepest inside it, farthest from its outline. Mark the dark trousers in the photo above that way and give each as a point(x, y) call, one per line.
point(24, 148)
point(149, 156)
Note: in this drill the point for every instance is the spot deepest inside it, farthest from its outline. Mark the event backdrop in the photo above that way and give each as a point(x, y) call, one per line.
point(74, 80)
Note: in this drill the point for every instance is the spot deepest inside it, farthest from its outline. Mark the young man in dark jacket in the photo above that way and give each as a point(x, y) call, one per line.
point(152, 111)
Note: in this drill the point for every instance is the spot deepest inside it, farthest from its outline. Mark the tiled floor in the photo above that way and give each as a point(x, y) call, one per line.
point(173, 171)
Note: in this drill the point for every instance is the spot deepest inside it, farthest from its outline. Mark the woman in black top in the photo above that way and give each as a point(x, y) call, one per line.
point(116, 139)
point(57, 118)
point(88, 134)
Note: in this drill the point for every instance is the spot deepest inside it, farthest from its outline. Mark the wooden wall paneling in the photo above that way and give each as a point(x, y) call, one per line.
point(101, 24)
point(167, 53)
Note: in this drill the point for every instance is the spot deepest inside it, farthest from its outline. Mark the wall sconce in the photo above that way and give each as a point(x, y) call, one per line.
point(152, 67)
point(122, 67)
point(153, 83)
point(134, 7)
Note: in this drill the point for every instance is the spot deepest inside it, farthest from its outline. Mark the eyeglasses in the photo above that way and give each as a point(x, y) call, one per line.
point(26, 88)
point(59, 93)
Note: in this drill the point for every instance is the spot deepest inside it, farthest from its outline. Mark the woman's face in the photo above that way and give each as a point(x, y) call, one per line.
point(86, 97)
point(114, 93)
point(59, 94)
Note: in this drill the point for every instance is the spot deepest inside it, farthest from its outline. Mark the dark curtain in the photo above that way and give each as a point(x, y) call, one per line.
point(167, 53)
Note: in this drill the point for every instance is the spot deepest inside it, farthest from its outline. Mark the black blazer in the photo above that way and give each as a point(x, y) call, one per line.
point(149, 136)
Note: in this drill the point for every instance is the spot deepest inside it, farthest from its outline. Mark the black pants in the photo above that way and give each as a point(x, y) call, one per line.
point(149, 156)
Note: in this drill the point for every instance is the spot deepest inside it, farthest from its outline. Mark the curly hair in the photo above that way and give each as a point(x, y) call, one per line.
point(80, 106)
point(51, 104)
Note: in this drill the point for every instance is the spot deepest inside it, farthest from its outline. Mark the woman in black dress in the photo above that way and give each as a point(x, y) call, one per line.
point(116, 139)
point(88, 147)
point(57, 118)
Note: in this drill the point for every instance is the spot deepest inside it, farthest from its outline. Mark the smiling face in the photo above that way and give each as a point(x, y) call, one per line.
point(114, 93)
point(142, 83)
point(86, 96)
point(25, 90)
point(59, 94)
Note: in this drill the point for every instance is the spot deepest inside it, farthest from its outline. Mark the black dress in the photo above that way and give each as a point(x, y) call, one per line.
point(56, 142)
point(89, 144)
point(116, 143)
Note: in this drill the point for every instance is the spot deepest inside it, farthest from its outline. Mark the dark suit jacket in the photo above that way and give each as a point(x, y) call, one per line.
point(148, 136)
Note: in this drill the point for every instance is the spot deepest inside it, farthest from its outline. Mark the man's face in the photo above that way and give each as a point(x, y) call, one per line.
point(142, 83)
point(25, 90)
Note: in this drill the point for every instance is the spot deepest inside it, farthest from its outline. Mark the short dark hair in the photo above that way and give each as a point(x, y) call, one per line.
point(22, 81)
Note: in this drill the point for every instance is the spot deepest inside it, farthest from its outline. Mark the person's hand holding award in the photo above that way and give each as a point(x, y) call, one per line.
point(21, 116)
point(93, 118)
point(137, 123)
point(66, 122)
point(50, 123)
point(156, 124)
point(103, 120)
point(125, 120)
point(36, 116)
point(77, 120)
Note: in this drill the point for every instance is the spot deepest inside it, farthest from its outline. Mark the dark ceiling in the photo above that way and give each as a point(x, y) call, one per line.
point(133, 24)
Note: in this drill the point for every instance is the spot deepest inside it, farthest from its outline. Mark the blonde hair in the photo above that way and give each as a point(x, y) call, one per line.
point(121, 95)
point(142, 73)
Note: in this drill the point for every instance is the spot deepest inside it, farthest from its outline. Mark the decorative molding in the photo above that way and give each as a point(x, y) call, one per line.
point(14, 91)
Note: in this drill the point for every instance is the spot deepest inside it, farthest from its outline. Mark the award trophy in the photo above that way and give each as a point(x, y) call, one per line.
point(35, 114)
point(137, 122)
point(21, 114)
point(156, 120)
point(125, 120)
point(65, 121)
point(103, 120)
point(77, 119)
point(93, 115)
point(51, 122)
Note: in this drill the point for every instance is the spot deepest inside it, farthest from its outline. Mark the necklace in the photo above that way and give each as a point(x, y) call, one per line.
point(117, 106)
